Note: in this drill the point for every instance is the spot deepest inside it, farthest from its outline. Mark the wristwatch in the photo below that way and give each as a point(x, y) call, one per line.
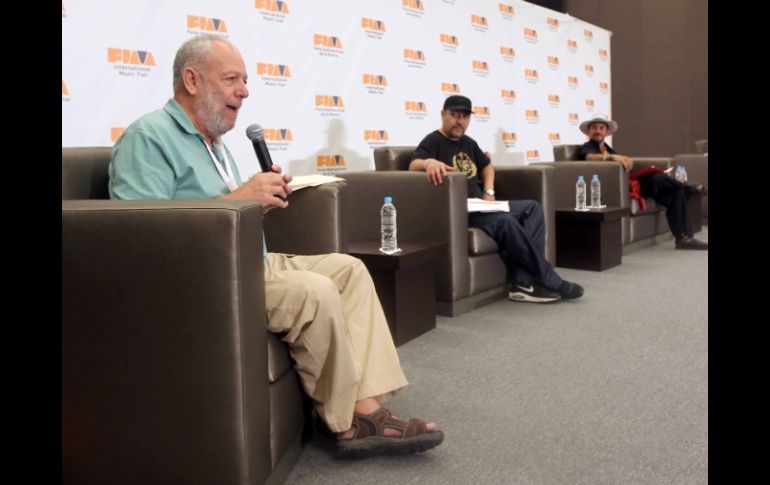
point(489, 191)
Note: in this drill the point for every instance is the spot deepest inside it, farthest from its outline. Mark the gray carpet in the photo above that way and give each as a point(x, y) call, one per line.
point(608, 389)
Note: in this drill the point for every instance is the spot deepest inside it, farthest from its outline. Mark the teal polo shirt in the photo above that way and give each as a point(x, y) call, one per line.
point(163, 156)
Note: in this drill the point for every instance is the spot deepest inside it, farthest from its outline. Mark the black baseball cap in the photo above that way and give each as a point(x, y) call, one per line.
point(458, 103)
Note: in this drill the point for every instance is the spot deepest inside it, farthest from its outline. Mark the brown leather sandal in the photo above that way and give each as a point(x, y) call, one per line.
point(369, 437)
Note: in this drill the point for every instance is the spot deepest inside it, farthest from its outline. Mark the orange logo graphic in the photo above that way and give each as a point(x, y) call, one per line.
point(372, 24)
point(530, 34)
point(375, 80)
point(589, 69)
point(572, 44)
point(481, 110)
point(533, 155)
point(479, 20)
point(508, 94)
point(450, 88)
point(553, 98)
point(572, 80)
point(115, 133)
point(553, 60)
point(276, 134)
point(603, 53)
point(272, 6)
point(530, 74)
point(64, 90)
point(414, 4)
point(589, 103)
point(507, 51)
point(322, 100)
point(603, 86)
point(449, 40)
point(552, 22)
point(572, 117)
point(480, 66)
point(327, 41)
point(206, 24)
point(588, 35)
point(413, 55)
point(376, 135)
point(264, 69)
point(509, 136)
point(128, 56)
point(330, 161)
point(417, 106)
point(532, 114)
point(554, 137)
point(506, 8)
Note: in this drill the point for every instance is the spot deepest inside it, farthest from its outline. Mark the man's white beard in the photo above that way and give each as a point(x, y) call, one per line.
point(210, 114)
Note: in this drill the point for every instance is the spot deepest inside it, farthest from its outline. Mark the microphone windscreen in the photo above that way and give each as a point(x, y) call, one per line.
point(254, 132)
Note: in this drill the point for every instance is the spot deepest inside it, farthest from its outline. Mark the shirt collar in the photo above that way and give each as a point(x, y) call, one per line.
point(174, 109)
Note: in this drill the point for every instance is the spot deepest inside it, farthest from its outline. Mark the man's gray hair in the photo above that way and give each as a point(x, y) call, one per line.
point(193, 53)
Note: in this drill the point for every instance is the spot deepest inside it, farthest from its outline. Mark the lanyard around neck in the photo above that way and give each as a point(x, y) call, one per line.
point(228, 175)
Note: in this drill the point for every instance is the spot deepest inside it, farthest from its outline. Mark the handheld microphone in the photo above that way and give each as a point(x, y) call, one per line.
point(255, 134)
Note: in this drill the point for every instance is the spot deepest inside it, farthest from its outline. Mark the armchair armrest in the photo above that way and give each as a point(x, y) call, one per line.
point(164, 354)
point(314, 222)
point(425, 212)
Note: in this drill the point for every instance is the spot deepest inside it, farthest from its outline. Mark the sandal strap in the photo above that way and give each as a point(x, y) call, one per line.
point(374, 424)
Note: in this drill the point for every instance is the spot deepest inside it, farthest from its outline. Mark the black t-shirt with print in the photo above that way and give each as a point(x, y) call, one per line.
point(463, 154)
point(591, 147)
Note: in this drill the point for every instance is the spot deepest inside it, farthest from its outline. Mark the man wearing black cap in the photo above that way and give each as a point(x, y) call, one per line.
point(520, 232)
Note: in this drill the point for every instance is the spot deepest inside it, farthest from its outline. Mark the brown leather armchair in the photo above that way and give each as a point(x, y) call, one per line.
point(168, 372)
point(471, 273)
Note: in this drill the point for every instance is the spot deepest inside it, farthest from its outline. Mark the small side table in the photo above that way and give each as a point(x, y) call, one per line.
point(591, 240)
point(406, 285)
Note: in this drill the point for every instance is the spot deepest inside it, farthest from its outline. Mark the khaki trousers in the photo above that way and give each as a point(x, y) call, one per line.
point(336, 331)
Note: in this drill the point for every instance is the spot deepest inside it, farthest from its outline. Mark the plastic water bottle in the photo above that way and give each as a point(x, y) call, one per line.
point(684, 174)
point(596, 192)
point(388, 240)
point(678, 173)
point(580, 194)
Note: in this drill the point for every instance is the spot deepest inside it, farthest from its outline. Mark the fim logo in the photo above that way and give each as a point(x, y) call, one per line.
point(604, 87)
point(481, 113)
point(415, 8)
point(553, 62)
point(506, 10)
point(480, 67)
point(572, 82)
point(278, 134)
point(130, 57)
point(508, 53)
point(272, 6)
point(509, 139)
point(554, 139)
point(533, 155)
point(65, 93)
point(327, 41)
point(603, 54)
point(206, 24)
point(374, 29)
point(330, 163)
point(590, 104)
point(63, 11)
point(449, 40)
point(329, 105)
point(553, 100)
point(572, 45)
point(589, 35)
point(572, 118)
point(532, 116)
point(115, 133)
point(589, 69)
point(273, 70)
point(414, 58)
point(375, 83)
point(508, 95)
point(530, 35)
point(531, 75)
point(450, 88)
point(553, 24)
point(479, 22)
point(376, 137)
point(415, 107)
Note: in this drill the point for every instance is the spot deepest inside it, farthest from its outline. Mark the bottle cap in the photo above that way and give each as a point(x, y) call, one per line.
point(580, 178)
point(388, 200)
point(596, 177)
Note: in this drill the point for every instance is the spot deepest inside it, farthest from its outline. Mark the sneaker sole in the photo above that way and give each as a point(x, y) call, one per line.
point(532, 299)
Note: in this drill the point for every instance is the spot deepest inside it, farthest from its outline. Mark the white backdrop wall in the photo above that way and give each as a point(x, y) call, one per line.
point(329, 81)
